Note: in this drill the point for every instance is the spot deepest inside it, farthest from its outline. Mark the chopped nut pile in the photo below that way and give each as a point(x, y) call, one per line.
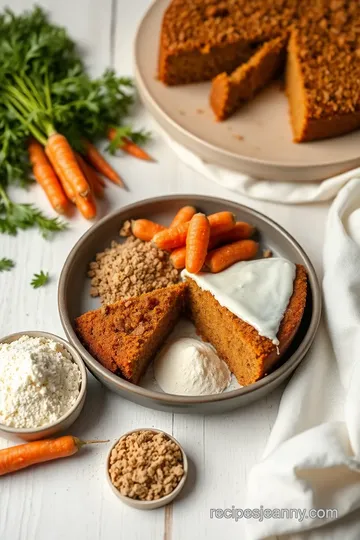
point(130, 269)
point(146, 465)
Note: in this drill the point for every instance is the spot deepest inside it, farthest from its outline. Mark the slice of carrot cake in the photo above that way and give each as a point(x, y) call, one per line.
point(125, 336)
point(228, 92)
point(227, 307)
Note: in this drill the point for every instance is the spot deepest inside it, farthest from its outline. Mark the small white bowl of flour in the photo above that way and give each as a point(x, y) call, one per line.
point(43, 385)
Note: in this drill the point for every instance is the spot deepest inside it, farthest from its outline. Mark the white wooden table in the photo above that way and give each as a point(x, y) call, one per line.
point(69, 499)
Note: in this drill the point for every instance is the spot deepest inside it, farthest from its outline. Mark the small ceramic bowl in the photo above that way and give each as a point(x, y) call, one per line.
point(148, 505)
point(63, 423)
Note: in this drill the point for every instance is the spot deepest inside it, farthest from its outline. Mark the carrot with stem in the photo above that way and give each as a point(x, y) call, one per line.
point(128, 146)
point(241, 231)
point(45, 176)
point(183, 215)
point(24, 455)
point(197, 241)
point(175, 237)
point(177, 258)
point(91, 176)
point(63, 159)
point(99, 163)
point(144, 229)
point(221, 258)
point(66, 185)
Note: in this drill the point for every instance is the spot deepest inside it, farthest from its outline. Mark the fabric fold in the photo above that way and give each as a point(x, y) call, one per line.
point(312, 459)
point(273, 191)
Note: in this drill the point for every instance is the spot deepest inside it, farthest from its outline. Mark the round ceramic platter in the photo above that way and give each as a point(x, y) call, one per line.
point(257, 140)
point(74, 299)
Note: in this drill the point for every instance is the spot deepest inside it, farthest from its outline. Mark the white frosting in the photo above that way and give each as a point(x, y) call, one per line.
point(189, 367)
point(258, 292)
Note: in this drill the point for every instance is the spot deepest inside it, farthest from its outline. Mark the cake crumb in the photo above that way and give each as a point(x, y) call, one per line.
point(146, 465)
point(182, 113)
point(200, 111)
point(126, 228)
point(267, 254)
point(238, 137)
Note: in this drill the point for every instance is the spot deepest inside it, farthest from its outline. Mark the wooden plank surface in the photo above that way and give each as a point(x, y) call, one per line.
point(70, 499)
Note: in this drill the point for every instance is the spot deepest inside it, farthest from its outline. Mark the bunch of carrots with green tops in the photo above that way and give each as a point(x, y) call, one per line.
point(51, 116)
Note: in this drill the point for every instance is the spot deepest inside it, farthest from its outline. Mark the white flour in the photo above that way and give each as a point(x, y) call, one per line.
point(39, 382)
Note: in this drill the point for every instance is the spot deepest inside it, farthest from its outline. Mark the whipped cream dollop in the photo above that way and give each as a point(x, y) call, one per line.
point(258, 292)
point(188, 367)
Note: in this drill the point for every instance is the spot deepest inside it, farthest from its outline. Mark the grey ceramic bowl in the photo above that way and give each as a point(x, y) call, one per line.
point(148, 505)
point(70, 416)
point(74, 299)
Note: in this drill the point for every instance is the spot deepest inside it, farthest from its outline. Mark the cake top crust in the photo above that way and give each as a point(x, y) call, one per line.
point(194, 24)
point(328, 43)
point(327, 35)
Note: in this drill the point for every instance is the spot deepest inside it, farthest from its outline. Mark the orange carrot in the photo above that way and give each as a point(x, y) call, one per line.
point(170, 239)
point(241, 231)
point(223, 257)
point(128, 146)
point(197, 242)
point(87, 206)
point(221, 222)
point(100, 164)
point(175, 237)
point(23, 455)
point(66, 185)
point(184, 214)
point(45, 176)
point(144, 229)
point(91, 176)
point(64, 162)
point(177, 258)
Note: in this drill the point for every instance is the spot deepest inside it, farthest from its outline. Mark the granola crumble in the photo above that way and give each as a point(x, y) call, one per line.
point(146, 465)
point(129, 269)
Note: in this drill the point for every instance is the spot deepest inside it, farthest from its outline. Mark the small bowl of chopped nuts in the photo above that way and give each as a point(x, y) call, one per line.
point(146, 468)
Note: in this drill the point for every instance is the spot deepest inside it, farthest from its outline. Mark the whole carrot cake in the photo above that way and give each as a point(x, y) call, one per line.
point(232, 42)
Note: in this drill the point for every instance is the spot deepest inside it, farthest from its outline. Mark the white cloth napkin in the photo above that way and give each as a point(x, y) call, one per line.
point(283, 192)
point(312, 459)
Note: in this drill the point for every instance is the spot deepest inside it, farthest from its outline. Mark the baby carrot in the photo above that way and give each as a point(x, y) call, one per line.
point(45, 176)
point(223, 257)
point(100, 164)
point(91, 176)
point(197, 242)
point(172, 238)
point(64, 162)
point(175, 237)
point(177, 258)
point(221, 222)
point(23, 455)
point(128, 146)
point(86, 206)
point(241, 231)
point(145, 230)
point(184, 214)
